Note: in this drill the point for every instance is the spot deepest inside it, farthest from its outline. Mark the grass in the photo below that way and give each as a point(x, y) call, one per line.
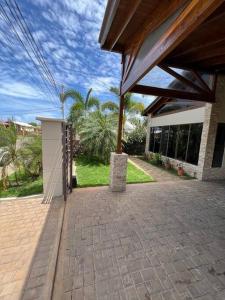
point(26, 186)
point(171, 170)
point(93, 173)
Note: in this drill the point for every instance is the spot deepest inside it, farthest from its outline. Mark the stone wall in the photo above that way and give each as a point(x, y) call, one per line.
point(214, 114)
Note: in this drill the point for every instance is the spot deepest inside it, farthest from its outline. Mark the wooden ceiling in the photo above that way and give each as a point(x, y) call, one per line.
point(125, 20)
point(204, 48)
point(129, 20)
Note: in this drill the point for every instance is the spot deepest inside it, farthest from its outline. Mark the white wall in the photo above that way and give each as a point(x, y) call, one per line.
point(184, 117)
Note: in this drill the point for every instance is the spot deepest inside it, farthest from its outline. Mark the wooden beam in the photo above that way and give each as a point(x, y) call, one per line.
point(127, 18)
point(203, 54)
point(200, 80)
point(193, 15)
point(182, 79)
point(161, 13)
point(154, 91)
point(119, 149)
point(110, 13)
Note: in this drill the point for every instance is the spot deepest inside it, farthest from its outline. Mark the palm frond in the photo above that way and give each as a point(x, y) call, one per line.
point(75, 95)
point(110, 105)
point(93, 102)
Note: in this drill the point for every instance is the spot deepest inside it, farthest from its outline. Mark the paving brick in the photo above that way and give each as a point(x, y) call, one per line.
point(158, 241)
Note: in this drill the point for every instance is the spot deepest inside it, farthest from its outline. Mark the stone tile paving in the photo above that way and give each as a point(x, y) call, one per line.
point(157, 241)
point(27, 232)
point(157, 173)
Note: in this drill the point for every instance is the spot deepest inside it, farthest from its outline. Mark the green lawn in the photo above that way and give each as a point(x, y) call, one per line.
point(26, 187)
point(93, 173)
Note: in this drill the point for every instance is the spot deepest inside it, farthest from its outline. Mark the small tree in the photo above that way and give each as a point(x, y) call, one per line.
point(30, 156)
point(98, 135)
point(8, 151)
point(136, 139)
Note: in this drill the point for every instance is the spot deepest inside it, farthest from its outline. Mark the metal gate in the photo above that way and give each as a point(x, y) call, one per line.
point(67, 142)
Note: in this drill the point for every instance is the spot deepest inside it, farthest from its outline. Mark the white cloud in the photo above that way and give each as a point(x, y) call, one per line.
point(19, 90)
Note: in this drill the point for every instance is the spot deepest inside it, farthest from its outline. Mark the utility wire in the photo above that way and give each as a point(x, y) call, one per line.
point(34, 43)
point(24, 46)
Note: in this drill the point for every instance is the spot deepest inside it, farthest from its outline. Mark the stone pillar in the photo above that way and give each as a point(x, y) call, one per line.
point(214, 114)
point(52, 156)
point(118, 172)
point(148, 134)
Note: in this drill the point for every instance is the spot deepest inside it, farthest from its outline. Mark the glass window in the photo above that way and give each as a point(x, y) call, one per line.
point(182, 141)
point(194, 143)
point(164, 140)
point(219, 146)
point(172, 141)
point(151, 142)
point(178, 141)
point(157, 138)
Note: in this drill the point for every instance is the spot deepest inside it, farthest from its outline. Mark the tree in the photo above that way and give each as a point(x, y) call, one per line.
point(136, 139)
point(30, 156)
point(82, 105)
point(98, 135)
point(130, 105)
point(8, 151)
point(33, 124)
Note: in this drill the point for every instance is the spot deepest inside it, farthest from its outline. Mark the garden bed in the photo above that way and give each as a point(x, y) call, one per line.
point(27, 186)
point(169, 170)
point(93, 173)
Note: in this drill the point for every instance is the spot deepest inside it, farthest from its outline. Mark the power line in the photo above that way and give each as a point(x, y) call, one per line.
point(34, 43)
point(7, 19)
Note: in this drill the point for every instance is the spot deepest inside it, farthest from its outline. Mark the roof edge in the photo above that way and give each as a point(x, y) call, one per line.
point(110, 12)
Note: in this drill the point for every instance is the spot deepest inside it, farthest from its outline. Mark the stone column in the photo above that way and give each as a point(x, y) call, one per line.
point(52, 156)
point(214, 113)
point(118, 172)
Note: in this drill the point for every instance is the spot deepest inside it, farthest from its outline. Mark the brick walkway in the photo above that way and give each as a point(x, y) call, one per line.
point(157, 241)
point(28, 231)
point(157, 173)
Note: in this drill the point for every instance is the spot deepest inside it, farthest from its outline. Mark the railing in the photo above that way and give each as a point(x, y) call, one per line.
point(67, 163)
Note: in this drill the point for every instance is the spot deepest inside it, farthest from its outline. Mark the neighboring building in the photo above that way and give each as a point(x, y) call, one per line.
point(190, 132)
point(22, 128)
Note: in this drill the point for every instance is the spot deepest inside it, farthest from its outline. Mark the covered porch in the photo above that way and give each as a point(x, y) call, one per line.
point(184, 40)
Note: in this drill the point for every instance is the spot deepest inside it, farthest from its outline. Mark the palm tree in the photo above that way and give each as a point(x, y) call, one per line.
point(131, 107)
point(98, 135)
point(8, 151)
point(30, 156)
point(82, 105)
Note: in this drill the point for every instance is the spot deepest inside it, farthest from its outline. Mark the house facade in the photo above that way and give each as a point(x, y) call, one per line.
point(190, 133)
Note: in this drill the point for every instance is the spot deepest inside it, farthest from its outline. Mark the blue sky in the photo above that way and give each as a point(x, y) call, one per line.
point(67, 32)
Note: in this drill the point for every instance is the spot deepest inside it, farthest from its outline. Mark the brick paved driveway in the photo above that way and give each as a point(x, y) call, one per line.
point(158, 241)
point(28, 231)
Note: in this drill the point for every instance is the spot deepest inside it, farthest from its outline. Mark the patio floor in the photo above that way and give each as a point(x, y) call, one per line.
point(157, 241)
point(29, 232)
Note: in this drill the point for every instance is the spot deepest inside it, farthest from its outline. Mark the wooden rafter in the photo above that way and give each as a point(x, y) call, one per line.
point(193, 15)
point(200, 80)
point(184, 80)
point(169, 93)
point(161, 13)
point(127, 18)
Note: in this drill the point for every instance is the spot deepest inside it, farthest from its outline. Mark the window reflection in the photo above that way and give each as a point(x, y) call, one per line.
point(181, 142)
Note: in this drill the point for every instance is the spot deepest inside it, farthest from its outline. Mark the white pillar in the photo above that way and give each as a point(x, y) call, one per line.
point(118, 172)
point(52, 156)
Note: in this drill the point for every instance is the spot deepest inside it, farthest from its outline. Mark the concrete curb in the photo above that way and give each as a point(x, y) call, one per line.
point(37, 196)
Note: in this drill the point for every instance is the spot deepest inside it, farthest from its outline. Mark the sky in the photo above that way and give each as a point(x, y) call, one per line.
point(66, 32)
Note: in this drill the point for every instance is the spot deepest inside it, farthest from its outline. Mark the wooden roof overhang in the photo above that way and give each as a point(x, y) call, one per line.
point(187, 34)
